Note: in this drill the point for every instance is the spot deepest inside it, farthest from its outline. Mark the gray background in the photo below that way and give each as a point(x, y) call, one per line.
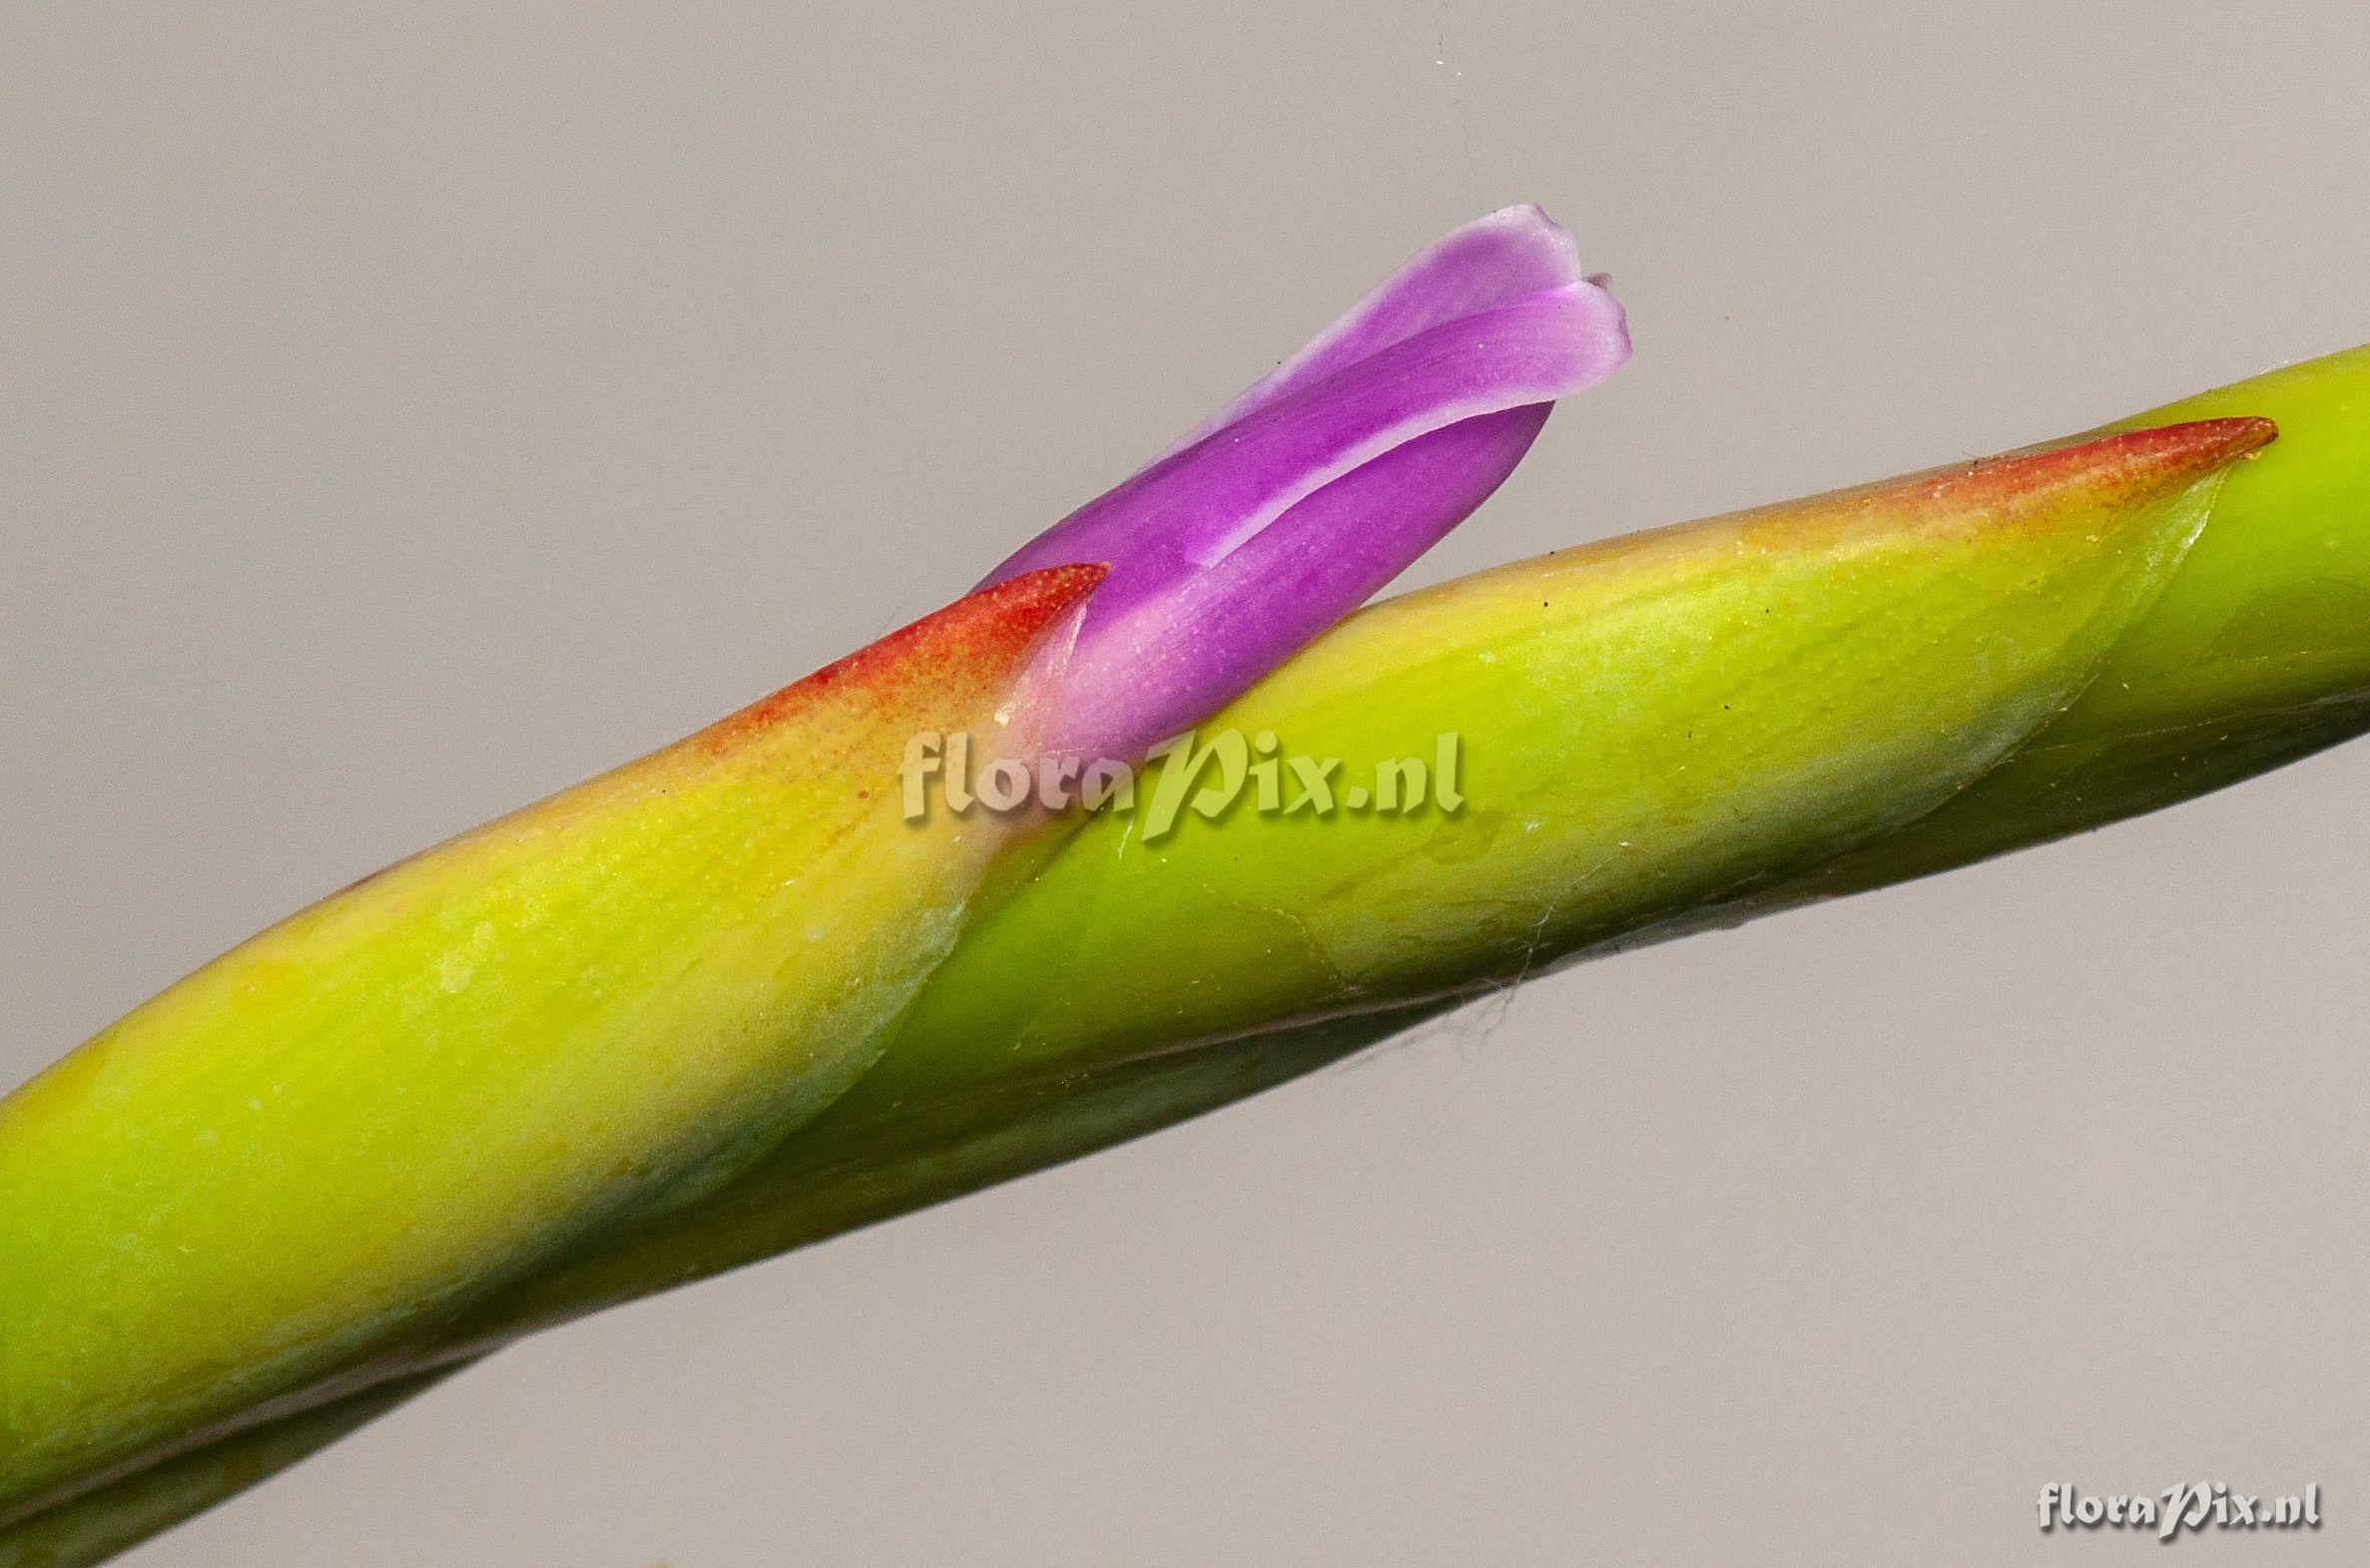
point(409, 415)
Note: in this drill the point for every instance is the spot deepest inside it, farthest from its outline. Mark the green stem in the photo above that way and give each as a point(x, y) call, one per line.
point(1704, 725)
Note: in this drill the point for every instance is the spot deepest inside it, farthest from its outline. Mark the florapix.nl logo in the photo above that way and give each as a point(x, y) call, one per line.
point(1207, 774)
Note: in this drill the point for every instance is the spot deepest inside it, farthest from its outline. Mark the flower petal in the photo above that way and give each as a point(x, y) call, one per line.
point(1493, 260)
point(1319, 484)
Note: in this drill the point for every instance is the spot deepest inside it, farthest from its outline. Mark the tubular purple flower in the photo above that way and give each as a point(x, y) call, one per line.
point(1294, 503)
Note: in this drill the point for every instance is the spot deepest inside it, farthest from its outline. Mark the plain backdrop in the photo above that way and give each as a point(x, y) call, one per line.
point(409, 410)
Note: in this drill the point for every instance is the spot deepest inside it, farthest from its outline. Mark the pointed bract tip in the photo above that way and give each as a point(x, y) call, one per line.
point(976, 645)
point(2134, 465)
point(988, 628)
point(2199, 447)
point(2122, 471)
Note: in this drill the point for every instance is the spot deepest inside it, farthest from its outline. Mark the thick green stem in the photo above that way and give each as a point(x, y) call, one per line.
point(1687, 728)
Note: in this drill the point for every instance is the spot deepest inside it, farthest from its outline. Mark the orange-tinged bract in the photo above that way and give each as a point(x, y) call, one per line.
point(424, 1085)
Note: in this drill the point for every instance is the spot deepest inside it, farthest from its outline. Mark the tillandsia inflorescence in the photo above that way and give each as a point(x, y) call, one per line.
point(1658, 733)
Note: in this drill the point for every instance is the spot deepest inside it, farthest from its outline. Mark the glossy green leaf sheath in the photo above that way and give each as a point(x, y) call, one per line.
point(426, 1085)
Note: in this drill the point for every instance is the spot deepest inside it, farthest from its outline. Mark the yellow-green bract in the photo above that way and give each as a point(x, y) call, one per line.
point(428, 1084)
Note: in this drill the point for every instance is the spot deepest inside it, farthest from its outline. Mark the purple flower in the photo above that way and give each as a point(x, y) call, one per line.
point(1289, 507)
